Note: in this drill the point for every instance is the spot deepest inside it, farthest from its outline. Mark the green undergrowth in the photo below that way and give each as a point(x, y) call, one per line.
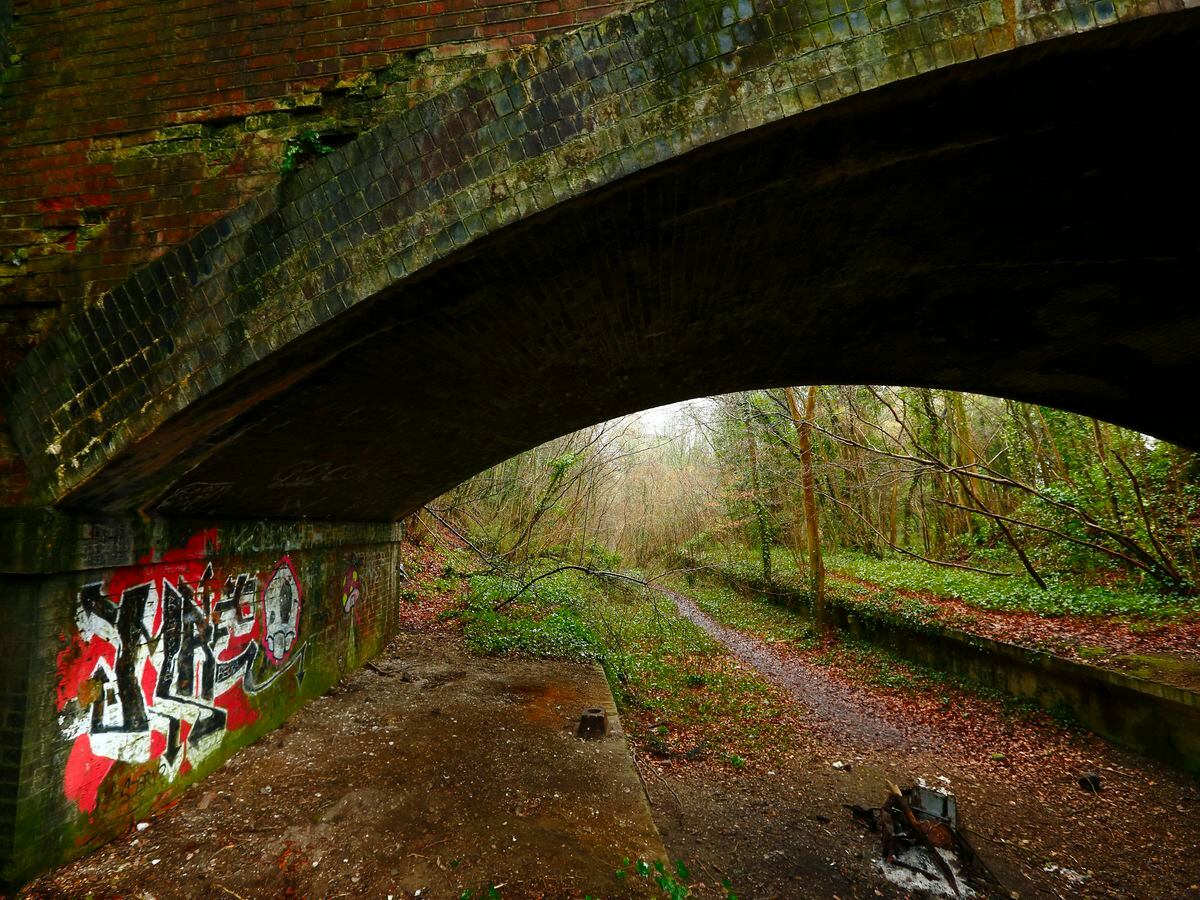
point(751, 614)
point(1013, 594)
point(686, 694)
point(547, 622)
point(670, 671)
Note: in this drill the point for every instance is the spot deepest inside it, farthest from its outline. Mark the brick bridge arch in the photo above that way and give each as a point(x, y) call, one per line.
point(684, 199)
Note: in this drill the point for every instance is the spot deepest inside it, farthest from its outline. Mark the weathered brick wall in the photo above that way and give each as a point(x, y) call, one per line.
point(5, 24)
point(129, 126)
point(123, 685)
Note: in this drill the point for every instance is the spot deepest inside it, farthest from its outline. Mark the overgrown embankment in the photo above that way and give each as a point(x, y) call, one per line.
point(1154, 717)
point(681, 693)
point(1121, 629)
point(740, 769)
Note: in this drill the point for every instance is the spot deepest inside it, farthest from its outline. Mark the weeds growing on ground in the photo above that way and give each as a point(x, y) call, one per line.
point(686, 695)
point(895, 574)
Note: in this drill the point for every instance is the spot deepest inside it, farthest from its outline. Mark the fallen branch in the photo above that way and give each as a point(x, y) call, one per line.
point(570, 567)
point(462, 537)
point(1167, 561)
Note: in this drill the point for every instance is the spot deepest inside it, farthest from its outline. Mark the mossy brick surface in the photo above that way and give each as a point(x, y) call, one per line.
point(645, 124)
point(79, 761)
point(127, 131)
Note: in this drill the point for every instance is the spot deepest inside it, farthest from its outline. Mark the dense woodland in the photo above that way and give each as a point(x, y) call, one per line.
point(1003, 503)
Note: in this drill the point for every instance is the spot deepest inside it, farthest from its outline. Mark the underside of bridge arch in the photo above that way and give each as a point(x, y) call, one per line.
point(689, 198)
point(1022, 226)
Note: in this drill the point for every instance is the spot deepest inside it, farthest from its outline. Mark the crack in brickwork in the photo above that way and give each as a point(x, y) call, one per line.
point(93, 83)
point(94, 77)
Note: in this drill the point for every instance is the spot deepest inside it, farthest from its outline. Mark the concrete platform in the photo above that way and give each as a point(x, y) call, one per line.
point(432, 774)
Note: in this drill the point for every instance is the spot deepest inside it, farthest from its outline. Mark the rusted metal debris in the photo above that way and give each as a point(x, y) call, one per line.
point(898, 822)
point(920, 816)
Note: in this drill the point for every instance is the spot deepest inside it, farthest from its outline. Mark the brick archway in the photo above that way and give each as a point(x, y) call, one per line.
point(679, 200)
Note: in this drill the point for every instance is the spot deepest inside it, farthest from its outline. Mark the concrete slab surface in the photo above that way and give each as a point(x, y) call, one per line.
point(428, 773)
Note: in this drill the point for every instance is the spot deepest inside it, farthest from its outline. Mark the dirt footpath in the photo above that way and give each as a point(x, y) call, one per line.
point(433, 773)
point(430, 773)
point(780, 827)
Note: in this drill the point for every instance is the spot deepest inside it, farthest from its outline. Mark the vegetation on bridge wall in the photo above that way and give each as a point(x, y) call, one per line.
point(5, 25)
point(126, 132)
point(142, 679)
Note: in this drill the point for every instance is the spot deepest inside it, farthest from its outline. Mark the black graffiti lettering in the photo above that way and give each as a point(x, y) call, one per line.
point(232, 594)
point(178, 643)
point(243, 661)
point(186, 634)
point(231, 597)
point(172, 752)
point(127, 617)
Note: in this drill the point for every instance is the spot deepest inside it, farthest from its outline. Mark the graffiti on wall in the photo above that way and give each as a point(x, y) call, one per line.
point(164, 660)
point(352, 587)
point(281, 604)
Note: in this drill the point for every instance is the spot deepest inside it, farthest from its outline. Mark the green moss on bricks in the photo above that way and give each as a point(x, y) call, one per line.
point(78, 783)
point(1184, 672)
point(608, 101)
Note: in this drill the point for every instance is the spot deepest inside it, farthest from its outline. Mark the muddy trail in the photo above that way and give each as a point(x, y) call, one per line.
point(781, 822)
point(853, 717)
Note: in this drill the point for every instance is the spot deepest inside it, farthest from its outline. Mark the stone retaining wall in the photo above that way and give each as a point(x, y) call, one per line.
point(1158, 720)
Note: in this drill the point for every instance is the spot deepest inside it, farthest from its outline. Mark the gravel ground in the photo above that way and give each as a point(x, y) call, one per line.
point(778, 827)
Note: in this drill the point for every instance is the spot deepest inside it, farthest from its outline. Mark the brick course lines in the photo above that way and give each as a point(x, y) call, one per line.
point(583, 110)
point(82, 207)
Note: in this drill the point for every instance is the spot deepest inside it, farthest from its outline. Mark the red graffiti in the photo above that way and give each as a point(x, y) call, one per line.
point(240, 712)
point(149, 681)
point(75, 664)
point(186, 562)
point(85, 773)
point(77, 661)
point(164, 660)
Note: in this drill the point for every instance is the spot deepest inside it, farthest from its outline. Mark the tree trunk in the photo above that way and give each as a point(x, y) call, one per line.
point(760, 512)
point(964, 450)
point(816, 562)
